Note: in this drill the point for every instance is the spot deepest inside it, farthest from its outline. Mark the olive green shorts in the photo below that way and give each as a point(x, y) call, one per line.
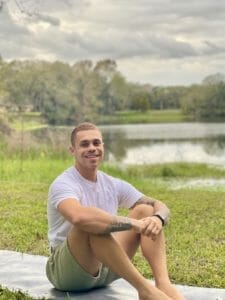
point(65, 273)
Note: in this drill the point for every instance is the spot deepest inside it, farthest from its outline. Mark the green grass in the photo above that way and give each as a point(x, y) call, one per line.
point(6, 295)
point(26, 121)
point(168, 170)
point(23, 217)
point(150, 116)
point(37, 170)
point(195, 234)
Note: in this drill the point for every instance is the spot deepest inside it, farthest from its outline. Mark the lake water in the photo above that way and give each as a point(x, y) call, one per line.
point(160, 143)
point(155, 143)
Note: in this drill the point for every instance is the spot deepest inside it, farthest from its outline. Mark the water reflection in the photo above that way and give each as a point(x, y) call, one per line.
point(180, 131)
point(160, 143)
point(178, 151)
point(153, 143)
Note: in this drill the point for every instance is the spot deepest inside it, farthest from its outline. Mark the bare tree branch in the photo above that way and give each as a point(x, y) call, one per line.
point(2, 2)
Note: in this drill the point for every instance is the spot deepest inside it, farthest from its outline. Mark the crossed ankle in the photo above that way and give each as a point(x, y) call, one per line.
point(170, 290)
point(163, 282)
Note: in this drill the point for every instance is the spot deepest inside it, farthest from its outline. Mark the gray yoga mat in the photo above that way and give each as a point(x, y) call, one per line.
point(25, 272)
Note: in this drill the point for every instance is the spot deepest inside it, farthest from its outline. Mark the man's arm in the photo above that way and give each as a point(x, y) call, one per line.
point(160, 209)
point(95, 220)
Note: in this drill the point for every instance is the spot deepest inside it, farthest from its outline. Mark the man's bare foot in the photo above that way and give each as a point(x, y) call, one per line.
point(170, 291)
point(153, 293)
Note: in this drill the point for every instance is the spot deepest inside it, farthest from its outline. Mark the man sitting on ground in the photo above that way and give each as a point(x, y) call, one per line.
point(90, 245)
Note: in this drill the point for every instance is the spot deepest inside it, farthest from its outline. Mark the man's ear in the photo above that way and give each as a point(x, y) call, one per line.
point(72, 150)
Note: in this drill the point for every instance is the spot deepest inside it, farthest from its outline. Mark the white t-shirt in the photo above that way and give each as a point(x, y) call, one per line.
point(107, 193)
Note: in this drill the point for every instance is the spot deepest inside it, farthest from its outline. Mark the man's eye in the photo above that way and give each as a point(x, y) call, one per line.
point(97, 143)
point(84, 145)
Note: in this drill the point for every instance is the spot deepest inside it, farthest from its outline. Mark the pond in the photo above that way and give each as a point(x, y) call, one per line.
point(159, 143)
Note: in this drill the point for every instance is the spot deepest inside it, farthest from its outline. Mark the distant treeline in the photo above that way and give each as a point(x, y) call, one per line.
point(66, 94)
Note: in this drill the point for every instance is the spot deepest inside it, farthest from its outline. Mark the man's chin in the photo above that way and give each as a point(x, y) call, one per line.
point(94, 163)
point(94, 160)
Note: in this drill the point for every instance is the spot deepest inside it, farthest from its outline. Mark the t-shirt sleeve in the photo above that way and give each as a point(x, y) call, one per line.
point(60, 191)
point(128, 195)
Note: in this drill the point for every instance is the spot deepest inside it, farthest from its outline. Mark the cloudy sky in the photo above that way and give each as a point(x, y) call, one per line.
point(161, 42)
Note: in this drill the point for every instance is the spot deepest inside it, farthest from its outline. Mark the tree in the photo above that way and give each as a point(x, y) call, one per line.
point(52, 93)
point(106, 69)
point(167, 97)
point(18, 88)
point(2, 4)
point(115, 94)
point(213, 106)
point(191, 103)
point(140, 101)
point(214, 79)
point(205, 102)
point(85, 89)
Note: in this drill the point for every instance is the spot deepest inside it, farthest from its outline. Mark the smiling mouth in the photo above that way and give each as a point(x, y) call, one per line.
point(93, 156)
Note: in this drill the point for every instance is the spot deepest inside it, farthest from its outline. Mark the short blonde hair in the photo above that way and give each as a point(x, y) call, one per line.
point(81, 127)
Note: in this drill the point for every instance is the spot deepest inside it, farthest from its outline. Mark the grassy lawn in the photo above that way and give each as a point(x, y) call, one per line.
point(195, 234)
point(26, 121)
point(150, 116)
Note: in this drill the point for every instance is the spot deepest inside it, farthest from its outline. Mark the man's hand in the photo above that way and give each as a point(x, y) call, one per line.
point(138, 225)
point(152, 227)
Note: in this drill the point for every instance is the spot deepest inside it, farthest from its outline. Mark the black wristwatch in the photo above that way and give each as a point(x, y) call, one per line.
point(161, 218)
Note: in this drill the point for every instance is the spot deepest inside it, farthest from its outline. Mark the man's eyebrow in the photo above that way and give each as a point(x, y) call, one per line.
point(84, 141)
point(92, 140)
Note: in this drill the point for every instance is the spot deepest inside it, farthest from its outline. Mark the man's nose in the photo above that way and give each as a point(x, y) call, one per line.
point(92, 146)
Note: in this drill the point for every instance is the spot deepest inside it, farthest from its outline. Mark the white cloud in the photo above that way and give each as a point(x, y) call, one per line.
point(155, 41)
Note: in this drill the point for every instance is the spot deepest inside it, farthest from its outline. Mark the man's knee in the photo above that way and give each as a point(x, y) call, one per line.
point(78, 240)
point(141, 211)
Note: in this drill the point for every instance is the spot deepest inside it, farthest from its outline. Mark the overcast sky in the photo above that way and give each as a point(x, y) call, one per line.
point(161, 42)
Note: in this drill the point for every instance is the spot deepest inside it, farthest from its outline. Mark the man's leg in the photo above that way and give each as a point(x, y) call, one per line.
point(90, 250)
point(153, 250)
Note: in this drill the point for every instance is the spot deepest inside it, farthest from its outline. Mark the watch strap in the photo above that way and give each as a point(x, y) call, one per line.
point(160, 218)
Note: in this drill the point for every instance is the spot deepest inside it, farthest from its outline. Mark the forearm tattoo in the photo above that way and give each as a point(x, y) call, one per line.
point(120, 224)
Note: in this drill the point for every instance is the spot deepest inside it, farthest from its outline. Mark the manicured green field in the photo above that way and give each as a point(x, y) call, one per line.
point(150, 116)
point(195, 234)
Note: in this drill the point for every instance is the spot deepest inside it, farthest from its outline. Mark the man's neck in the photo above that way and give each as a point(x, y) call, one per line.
point(90, 175)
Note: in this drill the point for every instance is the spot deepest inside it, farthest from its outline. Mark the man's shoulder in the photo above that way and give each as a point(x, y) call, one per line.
point(65, 177)
point(104, 177)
